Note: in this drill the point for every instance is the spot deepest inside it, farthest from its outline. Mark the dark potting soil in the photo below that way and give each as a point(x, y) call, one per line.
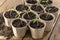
point(21, 15)
point(44, 3)
point(31, 1)
point(18, 23)
point(1, 19)
point(36, 8)
point(29, 16)
point(37, 24)
point(52, 9)
point(21, 7)
point(46, 17)
point(10, 14)
point(6, 31)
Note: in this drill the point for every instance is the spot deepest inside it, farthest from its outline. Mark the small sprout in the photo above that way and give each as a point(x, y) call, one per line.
point(34, 20)
point(18, 13)
point(26, 10)
point(45, 1)
point(49, 9)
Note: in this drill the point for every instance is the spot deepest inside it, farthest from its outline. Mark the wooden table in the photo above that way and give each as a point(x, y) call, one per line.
point(53, 35)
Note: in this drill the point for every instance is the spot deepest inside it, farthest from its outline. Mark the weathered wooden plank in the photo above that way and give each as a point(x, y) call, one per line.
point(56, 32)
point(2, 38)
point(9, 4)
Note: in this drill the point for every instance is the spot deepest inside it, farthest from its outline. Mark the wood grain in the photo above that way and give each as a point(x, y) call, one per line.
point(56, 33)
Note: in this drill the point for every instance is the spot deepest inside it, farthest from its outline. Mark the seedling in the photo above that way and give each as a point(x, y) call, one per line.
point(27, 12)
point(34, 20)
point(49, 9)
point(18, 13)
point(23, 10)
point(45, 1)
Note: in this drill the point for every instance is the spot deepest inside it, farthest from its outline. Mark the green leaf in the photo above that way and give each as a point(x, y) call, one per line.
point(34, 20)
point(49, 9)
point(45, 1)
point(17, 15)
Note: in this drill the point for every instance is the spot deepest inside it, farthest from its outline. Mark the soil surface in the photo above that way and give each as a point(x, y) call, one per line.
point(37, 8)
point(29, 16)
point(21, 7)
point(46, 17)
point(10, 14)
point(37, 24)
point(51, 9)
point(31, 1)
point(6, 31)
point(18, 23)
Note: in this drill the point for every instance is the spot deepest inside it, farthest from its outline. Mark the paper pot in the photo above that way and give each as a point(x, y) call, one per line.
point(7, 20)
point(37, 32)
point(19, 31)
point(49, 23)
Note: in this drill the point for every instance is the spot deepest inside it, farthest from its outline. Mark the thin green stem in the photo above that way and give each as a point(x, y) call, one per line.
point(34, 20)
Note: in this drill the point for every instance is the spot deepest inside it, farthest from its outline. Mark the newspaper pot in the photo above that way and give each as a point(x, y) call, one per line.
point(44, 3)
point(37, 28)
point(21, 8)
point(29, 15)
point(19, 27)
point(30, 2)
point(49, 19)
point(37, 8)
point(9, 16)
point(53, 10)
